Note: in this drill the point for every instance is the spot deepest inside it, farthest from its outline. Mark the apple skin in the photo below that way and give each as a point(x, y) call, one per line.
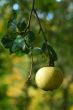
point(49, 78)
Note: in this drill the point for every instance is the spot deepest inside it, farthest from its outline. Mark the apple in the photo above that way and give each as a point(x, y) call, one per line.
point(49, 78)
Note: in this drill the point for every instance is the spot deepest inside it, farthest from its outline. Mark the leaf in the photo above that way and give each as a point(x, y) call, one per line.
point(11, 26)
point(46, 48)
point(21, 25)
point(36, 50)
point(18, 43)
point(19, 53)
point(31, 36)
point(7, 41)
point(53, 52)
point(19, 46)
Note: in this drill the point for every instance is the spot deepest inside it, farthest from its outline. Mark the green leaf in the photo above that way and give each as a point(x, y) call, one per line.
point(46, 48)
point(7, 41)
point(54, 55)
point(19, 53)
point(19, 46)
point(36, 50)
point(21, 25)
point(11, 26)
point(18, 43)
point(31, 36)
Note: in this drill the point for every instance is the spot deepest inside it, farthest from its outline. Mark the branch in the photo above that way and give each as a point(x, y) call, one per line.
point(28, 26)
point(40, 25)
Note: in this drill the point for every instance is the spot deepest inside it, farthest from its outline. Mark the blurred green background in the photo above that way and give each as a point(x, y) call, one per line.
point(56, 17)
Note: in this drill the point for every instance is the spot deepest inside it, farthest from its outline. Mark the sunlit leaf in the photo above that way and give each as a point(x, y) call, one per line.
point(36, 50)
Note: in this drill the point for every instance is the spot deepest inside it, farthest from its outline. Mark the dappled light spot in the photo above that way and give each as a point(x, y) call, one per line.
point(50, 16)
point(15, 6)
point(58, 0)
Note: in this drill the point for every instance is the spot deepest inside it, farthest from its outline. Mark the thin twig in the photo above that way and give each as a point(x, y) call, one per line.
point(40, 25)
point(31, 65)
point(28, 26)
point(30, 16)
point(33, 4)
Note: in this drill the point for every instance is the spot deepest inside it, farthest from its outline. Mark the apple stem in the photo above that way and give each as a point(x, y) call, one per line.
point(51, 61)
